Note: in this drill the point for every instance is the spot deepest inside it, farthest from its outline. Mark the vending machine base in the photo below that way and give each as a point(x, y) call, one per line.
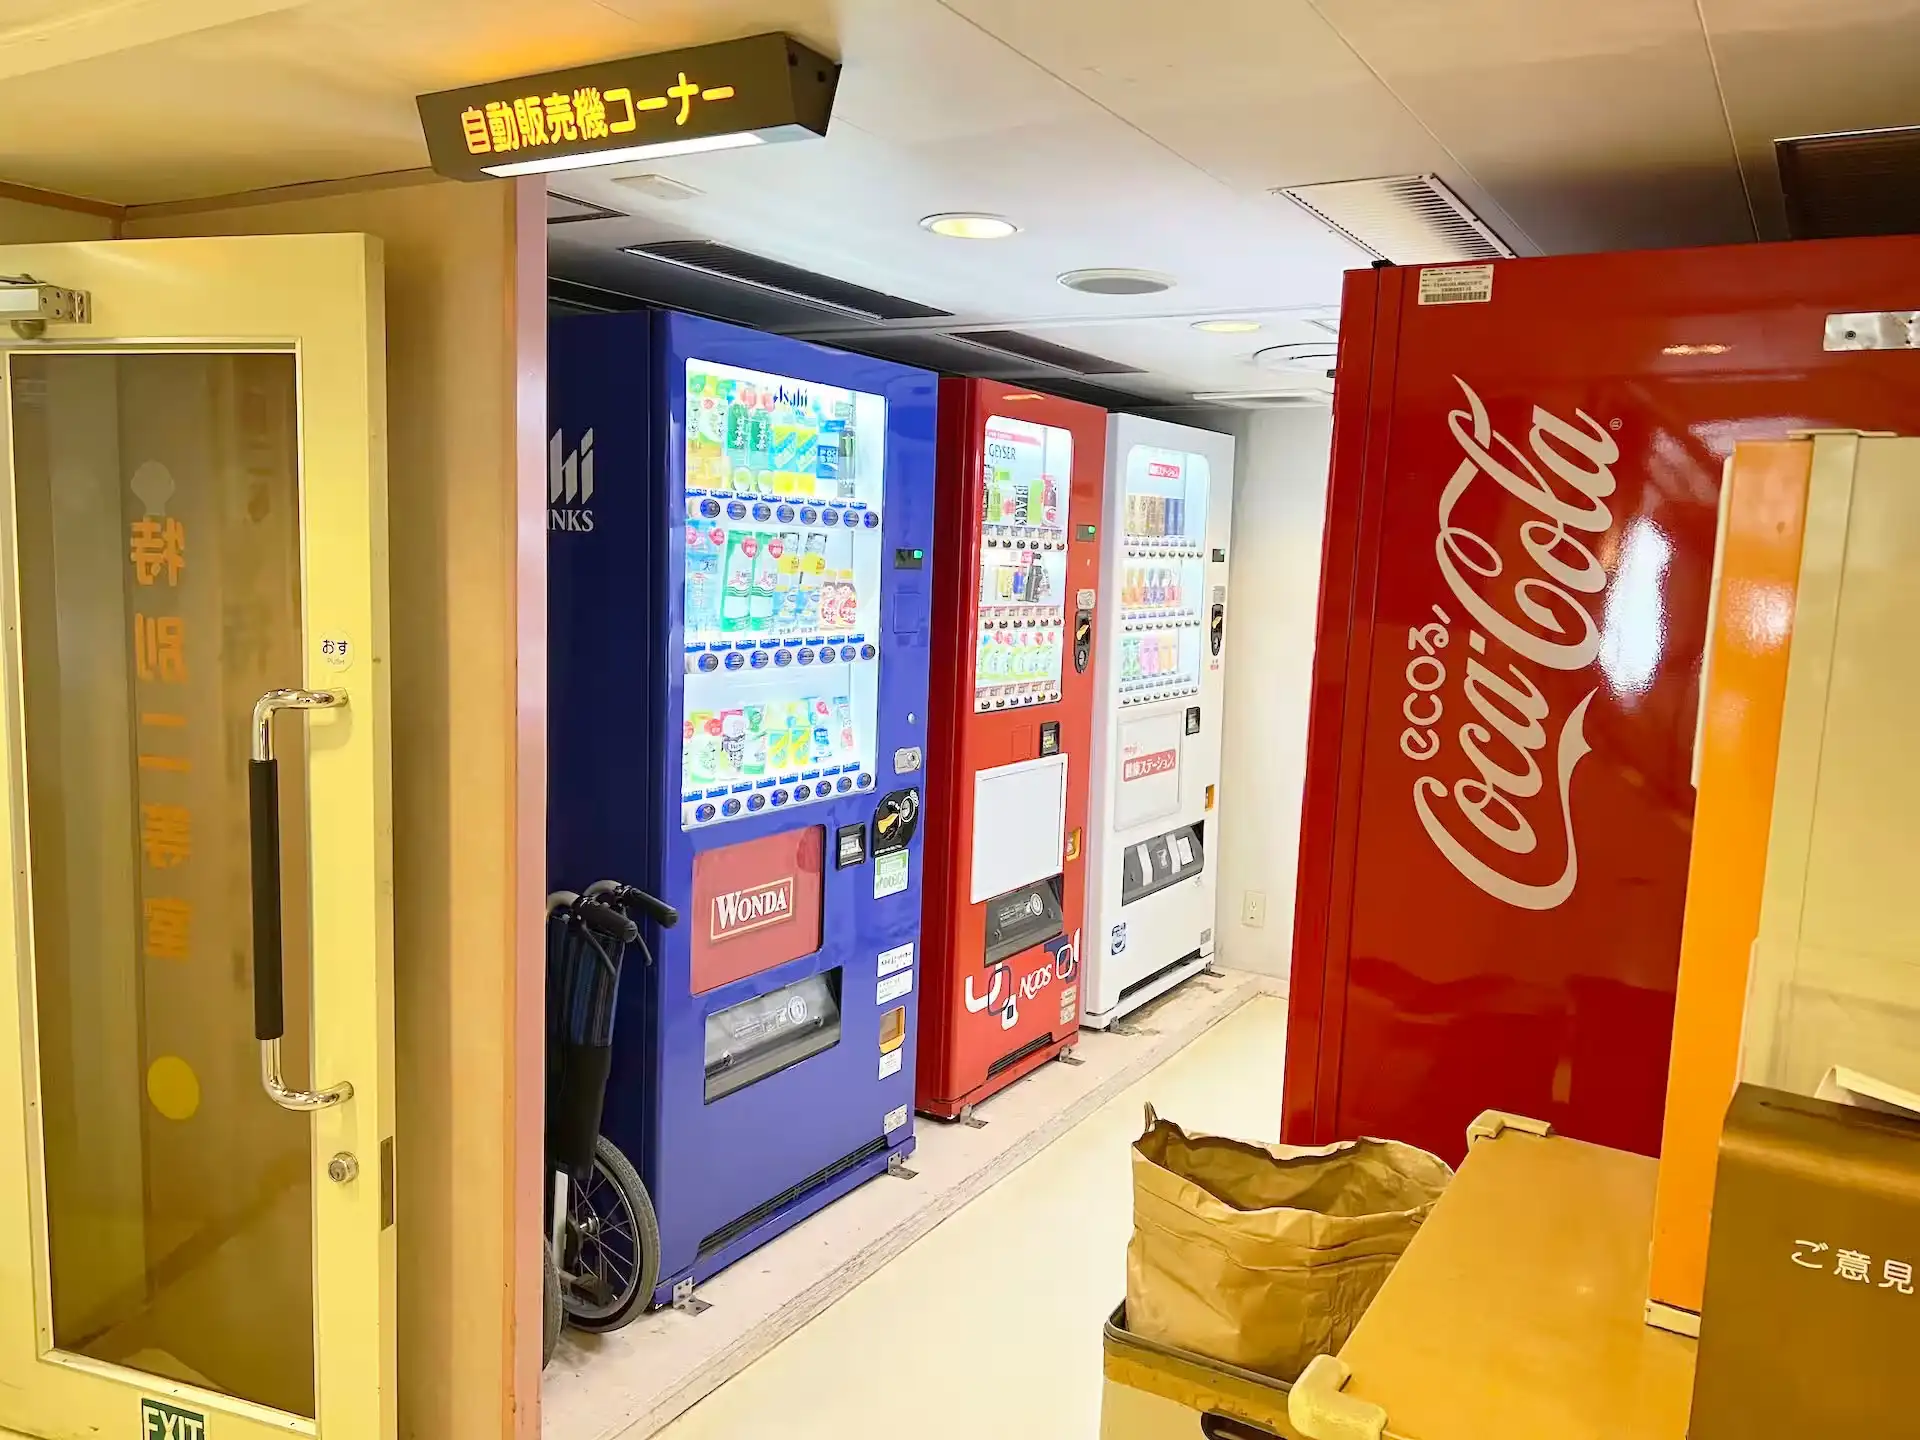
point(1145, 991)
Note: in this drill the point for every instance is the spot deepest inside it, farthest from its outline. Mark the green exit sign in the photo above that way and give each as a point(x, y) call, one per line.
point(169, 1422)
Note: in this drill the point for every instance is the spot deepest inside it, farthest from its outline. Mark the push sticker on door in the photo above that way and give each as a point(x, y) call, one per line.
point(168, 1422)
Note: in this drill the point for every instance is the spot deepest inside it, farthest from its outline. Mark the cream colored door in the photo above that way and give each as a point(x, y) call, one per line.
point(193, 1247)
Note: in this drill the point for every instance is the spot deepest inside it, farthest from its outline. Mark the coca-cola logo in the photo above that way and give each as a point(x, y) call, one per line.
point(752, 908)
point(1488, 821)
point(1158, 762)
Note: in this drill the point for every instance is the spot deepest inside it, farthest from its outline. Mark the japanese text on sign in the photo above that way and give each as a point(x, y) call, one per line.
point(501, 127)
point(1855, 1266)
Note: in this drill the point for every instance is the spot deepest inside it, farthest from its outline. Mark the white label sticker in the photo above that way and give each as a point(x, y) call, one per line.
point(890, 1062)
point(1456, 285)
point(898, 958)
point(893, 987)
point(896, 1119)
point(1069, 1003)
point(889, 874)
point(336, 650)
point(1084, 599)
point(1183, 847)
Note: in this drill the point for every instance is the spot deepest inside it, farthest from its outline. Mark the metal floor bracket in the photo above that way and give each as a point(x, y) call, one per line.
point(970, 1119)
point(686, 1302)
point(898, 1168)
point(1067, 1057)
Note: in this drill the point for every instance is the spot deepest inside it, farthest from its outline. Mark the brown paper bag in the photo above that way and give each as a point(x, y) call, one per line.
point(1264, 1256)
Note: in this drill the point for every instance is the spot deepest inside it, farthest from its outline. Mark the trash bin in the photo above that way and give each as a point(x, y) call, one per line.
point(1155, 1392)
point(1264, 1256)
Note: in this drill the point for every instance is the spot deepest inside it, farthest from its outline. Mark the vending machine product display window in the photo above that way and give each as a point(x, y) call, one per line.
point(1163, 574)
point(781, 605)
point(1022, 619)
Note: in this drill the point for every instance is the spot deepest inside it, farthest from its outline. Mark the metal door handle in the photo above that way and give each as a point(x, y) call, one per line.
point(263, 814)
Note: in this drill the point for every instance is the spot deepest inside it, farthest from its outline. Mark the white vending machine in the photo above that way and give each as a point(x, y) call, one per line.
point(1153, 823)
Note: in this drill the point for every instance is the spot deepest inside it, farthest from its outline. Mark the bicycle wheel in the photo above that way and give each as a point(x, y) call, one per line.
point(613, 1245)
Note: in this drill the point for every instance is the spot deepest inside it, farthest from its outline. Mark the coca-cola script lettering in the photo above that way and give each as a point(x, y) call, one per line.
point(1539, 616)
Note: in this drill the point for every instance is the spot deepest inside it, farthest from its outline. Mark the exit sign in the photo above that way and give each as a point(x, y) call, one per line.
point(169, 1422)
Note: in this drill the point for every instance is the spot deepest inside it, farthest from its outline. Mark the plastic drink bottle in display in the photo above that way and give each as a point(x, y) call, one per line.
point(826, 459)
point(786, 440)
point(753, 761)
point(806, 448)
point(702, 611)
point(701, 736)
point(713, 432)
point(820, 716)
point(766, 570)
point(733, 742)
point(1176, 515)
point(786, 585)
point(843, 723)
point(738, 459)
point(849, 453)
point(760, 441)
point(736, 596)
point(1050, 502)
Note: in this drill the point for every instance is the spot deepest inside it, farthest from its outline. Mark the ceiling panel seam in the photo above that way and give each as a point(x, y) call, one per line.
point(1094, 101)
point(1726, 116)
point(1511, 228)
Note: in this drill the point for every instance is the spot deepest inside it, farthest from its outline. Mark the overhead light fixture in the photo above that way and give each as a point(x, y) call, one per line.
point(1116, 282)
point(659, 150)
point(1260, 397)
point(761, 90)
point(1227, 327)
point(966, 225)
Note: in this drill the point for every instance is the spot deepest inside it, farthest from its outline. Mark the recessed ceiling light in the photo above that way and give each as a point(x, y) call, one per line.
point(1116, 282)
point(1227, 327)
point(964, 225)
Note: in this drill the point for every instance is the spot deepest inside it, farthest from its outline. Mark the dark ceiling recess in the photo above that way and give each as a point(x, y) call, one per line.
point(1045, 352)
point(709, 257)
point(1866, 182)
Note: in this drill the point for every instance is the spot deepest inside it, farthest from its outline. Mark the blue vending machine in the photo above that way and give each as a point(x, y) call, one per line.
point(739, 543)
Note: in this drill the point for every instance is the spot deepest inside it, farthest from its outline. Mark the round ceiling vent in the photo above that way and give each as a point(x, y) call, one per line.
point(1314, 356)
point(1116, 282)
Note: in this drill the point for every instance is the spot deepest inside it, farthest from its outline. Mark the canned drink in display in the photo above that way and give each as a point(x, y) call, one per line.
point(733, 741)
point(1176, 515)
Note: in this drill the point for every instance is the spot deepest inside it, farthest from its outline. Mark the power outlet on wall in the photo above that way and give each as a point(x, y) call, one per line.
point(1253, 908)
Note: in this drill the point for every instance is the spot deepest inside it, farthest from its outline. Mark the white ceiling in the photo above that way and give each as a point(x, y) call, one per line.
point(1142, 133)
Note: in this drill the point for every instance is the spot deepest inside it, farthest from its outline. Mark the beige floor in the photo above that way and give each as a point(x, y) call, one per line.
point(990, 1325)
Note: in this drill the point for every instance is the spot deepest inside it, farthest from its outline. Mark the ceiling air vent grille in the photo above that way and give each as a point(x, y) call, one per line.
point(709, 257)
point(1403, 219)
point(1045, 352)
point(1865, 182)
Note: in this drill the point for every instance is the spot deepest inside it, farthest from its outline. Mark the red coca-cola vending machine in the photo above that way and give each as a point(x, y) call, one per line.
point(1520, 541)
point(1016, 523)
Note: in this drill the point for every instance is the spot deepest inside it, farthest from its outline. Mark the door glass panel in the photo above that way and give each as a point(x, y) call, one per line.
point(159, 545)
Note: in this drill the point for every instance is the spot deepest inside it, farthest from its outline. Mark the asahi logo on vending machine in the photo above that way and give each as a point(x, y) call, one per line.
point(570, 484)
point(1517, 614)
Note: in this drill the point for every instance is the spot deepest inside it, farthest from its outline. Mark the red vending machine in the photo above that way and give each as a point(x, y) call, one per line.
point(1016, 525)
point(1520, 541)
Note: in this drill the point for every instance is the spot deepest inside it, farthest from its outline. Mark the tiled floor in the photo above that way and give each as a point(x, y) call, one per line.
point(990, 1325)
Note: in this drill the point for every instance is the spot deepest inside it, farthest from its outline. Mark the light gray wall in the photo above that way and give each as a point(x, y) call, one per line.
point(1279, 511)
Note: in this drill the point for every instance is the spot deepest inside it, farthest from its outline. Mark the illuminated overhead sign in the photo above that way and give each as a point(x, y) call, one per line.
point(761, 90)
